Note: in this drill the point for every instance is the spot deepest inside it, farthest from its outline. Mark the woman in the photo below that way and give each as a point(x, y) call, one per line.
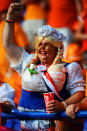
point(33, 70)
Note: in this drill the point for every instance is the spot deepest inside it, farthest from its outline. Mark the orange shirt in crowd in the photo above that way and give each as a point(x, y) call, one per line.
point(84, 17)
point(84, 14)
point(35, 11)
point(4, 4)
point(62, 13)
point(84, 3)
point(4, 62)
point(84, 42)
point(8, 74)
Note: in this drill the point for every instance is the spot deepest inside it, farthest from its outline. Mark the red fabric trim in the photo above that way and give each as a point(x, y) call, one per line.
point(51, 80)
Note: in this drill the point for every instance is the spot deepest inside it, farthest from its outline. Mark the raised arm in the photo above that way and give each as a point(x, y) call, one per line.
point(13, 51)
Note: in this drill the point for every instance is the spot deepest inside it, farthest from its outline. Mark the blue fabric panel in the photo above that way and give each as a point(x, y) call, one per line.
point(32, 100)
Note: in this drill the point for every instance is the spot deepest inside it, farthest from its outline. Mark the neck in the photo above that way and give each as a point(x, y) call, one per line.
point(47, 64)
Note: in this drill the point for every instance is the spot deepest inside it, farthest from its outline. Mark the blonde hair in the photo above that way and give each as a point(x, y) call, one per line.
point(57, 60)
point(59, 57)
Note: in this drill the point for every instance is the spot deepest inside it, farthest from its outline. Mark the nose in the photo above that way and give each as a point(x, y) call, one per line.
point(43, 46)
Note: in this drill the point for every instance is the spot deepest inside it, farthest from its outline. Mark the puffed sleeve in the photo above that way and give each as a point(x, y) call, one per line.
point(75, 80)
point(20, 66)
point(7, 93)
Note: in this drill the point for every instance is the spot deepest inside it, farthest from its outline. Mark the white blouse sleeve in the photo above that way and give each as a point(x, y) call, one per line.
point(20, 66)
point(7, 93)
point(75, 80)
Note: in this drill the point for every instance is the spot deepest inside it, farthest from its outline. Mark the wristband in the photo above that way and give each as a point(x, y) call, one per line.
point(65, 104)
point(9, 21)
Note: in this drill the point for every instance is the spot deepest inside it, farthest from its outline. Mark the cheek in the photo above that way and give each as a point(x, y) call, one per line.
point(38, 49)
point(47, 48)
point(51, 51)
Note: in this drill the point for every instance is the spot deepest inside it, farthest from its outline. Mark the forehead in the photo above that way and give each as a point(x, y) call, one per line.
point(45, 41)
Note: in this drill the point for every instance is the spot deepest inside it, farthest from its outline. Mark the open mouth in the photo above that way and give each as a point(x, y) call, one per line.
point(43, 53)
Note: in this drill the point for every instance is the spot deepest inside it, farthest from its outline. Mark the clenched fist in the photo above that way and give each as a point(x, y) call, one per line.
point(6, 106)
point(14, 10)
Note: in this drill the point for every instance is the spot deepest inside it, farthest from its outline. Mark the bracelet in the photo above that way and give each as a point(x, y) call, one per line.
point(65, 104)
point(9, 21)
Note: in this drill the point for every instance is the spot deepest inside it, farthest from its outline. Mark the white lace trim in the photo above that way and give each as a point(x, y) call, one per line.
point(58, 78)
point(34, 124)
point(22, 109)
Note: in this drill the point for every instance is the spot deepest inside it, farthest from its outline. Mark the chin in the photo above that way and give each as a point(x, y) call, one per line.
point(44, 61)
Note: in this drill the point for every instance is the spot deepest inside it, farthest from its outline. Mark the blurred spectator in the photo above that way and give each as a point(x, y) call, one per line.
point(81, 28)
point(84, 63)
point(35, 16)
point(73, 54)
point(62, 15)
point(7, 95)
point(7, 73)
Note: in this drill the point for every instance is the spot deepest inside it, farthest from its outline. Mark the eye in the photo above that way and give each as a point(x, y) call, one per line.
point(40, 44)
point(46, 44)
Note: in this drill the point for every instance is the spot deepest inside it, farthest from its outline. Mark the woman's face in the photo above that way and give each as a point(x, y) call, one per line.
point(46, 52)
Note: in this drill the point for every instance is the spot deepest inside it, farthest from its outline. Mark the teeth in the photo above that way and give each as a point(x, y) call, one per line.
point(43, 52)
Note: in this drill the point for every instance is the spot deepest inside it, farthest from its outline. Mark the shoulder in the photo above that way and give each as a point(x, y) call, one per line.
point(27, 58)
point(73, 66)
point(74, 71)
